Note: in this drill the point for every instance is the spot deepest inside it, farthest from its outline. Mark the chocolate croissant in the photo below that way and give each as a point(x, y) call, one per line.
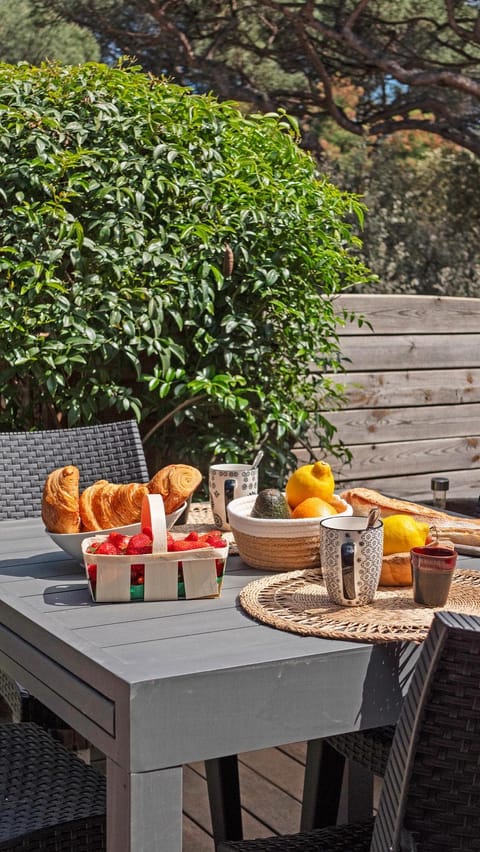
point(60, 500)
point(176, 483)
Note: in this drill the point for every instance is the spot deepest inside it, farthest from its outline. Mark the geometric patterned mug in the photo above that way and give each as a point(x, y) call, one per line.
point(351, 558)
point(226, 482)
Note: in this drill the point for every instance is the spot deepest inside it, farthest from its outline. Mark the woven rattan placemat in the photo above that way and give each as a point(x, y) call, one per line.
point(297, 601)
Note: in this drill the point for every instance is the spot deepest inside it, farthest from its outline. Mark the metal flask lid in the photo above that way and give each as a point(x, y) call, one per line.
point(439, 483)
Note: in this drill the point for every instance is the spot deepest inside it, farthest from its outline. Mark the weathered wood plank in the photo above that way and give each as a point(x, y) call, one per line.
point(402, 458)
point(271, 782)
point(406, 388)
point(295, 750)
point(412, 386)
point(194, 838)
point(463, 483)
point(410, 352)
point(417, 488)
point(272, 806)
point(382, 425)
point(396, 314)
point(275, 764)
point(398, 458)
point(195, 800)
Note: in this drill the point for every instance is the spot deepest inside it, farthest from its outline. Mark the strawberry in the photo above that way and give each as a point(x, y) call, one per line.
point(92, 573)
point(137, 575)
point(139, 543)
point(214, 539)
point(107, 548)
point(183, 544)
point(192, 536)
point(119, 540)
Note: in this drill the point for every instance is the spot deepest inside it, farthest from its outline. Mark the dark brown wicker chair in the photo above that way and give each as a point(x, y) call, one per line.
point(430, 800)
point(49, 799)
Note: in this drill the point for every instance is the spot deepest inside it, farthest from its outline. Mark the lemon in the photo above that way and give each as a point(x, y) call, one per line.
point(401, 533)
point(310, 480)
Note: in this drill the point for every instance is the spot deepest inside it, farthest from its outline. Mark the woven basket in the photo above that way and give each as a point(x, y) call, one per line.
point(273, 554)
point(275, 544)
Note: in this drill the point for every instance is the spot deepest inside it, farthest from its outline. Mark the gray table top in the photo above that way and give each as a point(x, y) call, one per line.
point(165, 683)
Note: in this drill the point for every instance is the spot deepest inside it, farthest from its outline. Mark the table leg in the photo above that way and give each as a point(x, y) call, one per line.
point(144, 810)
point(322, 786)
point(224, 797)
point(356, 804)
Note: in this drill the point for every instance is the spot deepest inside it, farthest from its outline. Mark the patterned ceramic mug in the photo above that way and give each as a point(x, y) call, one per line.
point(226, 482)
point(351, 559)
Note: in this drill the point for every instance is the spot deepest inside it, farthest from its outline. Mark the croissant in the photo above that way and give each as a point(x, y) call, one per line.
point(176, 483)
point(60, 500)
point(104, 505)
point(87, 513)
point(126, 503)
point(101, 505)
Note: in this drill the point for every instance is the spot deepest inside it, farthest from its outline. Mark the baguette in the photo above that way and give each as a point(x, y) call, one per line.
point(458, 530)
point(396, 570)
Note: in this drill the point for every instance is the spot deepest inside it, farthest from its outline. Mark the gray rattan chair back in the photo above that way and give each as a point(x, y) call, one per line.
point(49, 799)
point(430, 800)
point(110, 451)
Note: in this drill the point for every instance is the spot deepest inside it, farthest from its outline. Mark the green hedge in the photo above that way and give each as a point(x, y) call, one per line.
point(164, 257)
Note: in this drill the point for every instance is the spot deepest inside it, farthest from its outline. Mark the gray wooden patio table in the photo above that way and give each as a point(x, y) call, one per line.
point(158, 685)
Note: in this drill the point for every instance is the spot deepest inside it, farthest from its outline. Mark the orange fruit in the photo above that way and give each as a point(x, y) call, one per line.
point(313, 507)
point(338, 504)
point(310, 480)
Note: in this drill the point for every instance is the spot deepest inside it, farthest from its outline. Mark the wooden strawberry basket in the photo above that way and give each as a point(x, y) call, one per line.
point(161, 575)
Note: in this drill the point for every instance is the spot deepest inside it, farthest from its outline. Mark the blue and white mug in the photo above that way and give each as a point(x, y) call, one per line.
point(351, 558)
point(226, 482)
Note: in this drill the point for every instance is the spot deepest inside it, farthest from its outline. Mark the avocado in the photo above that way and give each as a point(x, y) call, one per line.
point(270, 503)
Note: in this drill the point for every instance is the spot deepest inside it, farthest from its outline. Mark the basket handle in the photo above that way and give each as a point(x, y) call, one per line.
point(153, 516)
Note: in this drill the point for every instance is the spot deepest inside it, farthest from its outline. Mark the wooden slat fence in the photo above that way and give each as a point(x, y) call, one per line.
point(413, 395)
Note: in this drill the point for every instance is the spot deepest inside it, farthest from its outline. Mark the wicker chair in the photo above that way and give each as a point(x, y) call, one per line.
point(49, 799)
point(430, 800)
point(113, 451)
point(365, 753)
point(109, 451)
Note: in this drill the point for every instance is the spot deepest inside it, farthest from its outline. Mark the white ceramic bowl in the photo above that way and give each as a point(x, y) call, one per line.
point(276, 544)
point(71, 543)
